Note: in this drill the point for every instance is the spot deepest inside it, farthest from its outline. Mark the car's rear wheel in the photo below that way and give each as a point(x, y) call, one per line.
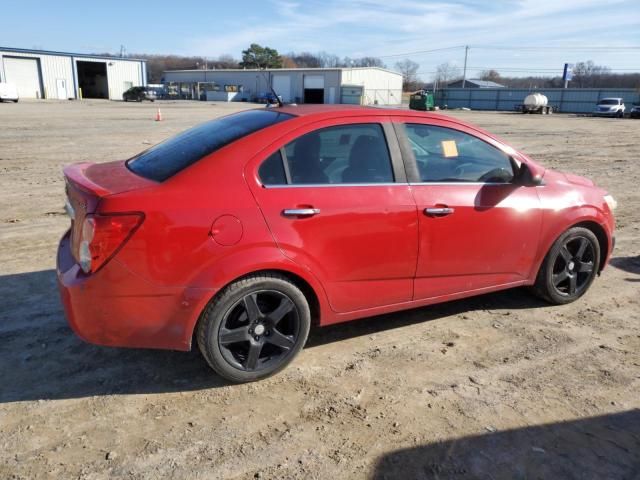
point(254, 327)
point(569, 268)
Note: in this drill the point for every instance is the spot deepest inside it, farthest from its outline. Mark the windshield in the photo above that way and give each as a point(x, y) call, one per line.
point(177, 153)
point(609, 101)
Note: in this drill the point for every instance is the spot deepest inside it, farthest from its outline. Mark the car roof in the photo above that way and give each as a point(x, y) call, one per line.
point(330, 111)
point(311, 113)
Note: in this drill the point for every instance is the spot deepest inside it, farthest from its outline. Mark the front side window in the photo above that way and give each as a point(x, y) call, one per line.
point(447, 155)
point(343, 154)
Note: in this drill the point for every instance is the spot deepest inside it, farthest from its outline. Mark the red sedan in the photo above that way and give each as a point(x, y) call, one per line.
point(243, 231)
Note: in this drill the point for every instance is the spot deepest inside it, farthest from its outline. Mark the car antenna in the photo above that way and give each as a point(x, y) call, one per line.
point(273, 90)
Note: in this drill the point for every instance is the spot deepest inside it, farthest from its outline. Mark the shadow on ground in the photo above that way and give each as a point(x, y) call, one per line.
point(594, 448)
point(43, 359)
point(629, 265)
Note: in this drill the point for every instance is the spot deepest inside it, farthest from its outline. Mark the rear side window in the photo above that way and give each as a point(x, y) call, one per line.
point(177, 153)
point(272, 170)
point(344, 154)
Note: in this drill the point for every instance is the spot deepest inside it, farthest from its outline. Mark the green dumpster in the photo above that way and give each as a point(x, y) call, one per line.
point(421, 100)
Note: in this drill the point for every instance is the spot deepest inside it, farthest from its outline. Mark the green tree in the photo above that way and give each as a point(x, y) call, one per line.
point(257, 56)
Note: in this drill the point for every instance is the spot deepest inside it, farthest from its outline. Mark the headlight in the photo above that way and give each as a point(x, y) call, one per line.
point(611, 202)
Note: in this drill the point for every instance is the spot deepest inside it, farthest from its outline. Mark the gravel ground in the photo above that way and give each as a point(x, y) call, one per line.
point(498, 386)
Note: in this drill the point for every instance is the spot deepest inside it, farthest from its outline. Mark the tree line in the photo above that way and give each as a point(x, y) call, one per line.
point(256, 56)
point(586, 74)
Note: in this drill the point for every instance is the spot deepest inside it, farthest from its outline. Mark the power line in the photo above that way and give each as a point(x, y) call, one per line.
point(421, 52)
point(549, 69)
point(518, 48)
point(557, 47)
point(557, 71)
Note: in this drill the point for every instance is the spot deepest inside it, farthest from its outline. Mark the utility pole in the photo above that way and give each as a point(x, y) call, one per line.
point(464, 70)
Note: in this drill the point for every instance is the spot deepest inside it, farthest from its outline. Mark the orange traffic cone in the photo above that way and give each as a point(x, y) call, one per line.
point(158, 116)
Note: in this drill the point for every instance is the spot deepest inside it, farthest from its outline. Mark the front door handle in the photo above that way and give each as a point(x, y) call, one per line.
point(438, 211)
point(300, 212)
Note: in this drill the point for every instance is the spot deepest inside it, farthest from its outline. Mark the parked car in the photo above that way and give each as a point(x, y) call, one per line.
point(139, 94)
point(635, 111)
point(244, 231)
point(610, 107)
point(8, 91)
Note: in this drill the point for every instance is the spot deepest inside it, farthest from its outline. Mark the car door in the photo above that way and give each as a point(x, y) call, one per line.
point(478, 229)
point(335, 197)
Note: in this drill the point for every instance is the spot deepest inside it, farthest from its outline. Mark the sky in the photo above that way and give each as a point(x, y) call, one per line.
point(515, 37)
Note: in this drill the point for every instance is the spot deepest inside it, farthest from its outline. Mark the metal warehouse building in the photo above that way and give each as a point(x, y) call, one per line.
point(366, 85)
point(44, 74)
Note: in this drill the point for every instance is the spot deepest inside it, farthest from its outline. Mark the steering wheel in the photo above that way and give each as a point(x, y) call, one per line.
point(460, 169)
point(498, 175)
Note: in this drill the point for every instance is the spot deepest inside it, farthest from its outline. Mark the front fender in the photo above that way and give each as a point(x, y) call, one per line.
point(557, 221)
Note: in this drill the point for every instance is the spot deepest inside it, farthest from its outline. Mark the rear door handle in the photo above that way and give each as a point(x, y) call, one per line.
point(300, 212)
point(438, 211)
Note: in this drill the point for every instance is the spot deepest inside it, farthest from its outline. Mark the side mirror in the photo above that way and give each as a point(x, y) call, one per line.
point(528, 175)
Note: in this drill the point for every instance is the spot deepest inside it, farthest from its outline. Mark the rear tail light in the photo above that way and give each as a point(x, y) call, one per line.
point(102, 236)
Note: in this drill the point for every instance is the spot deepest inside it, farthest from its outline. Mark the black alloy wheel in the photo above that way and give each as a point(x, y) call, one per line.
point(259, 331)
point(574, 266)
point(254, 327)
point(570, 267)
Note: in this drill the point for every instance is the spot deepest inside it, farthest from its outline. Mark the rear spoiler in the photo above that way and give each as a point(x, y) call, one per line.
point(76, 174)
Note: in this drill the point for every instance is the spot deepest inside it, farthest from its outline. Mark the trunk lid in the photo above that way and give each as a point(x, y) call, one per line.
point(87, 183)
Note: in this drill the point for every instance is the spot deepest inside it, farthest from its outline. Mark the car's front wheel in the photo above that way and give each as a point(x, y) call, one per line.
point(254, 327)
point(569, 268)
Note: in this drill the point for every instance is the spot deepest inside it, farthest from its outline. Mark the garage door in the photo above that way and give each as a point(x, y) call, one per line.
point(24, 73)
point(314, 89)
point(314, 81)
point(282, 86)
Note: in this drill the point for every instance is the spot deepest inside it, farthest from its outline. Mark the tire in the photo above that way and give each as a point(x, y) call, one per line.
point(254, 327)
point(569, 268)
point(620, 114)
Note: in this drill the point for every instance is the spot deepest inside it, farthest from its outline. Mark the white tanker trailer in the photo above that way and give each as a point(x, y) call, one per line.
point(536, 103)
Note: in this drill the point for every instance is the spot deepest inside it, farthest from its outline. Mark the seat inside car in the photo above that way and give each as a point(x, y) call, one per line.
point(306, 164)
point(368, 162)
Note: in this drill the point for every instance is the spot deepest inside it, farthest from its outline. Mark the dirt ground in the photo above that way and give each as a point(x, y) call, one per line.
point(495, 387)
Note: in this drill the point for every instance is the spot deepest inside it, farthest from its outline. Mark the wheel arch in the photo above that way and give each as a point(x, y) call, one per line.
point(601, 235)
point(303, 284)
point(556, 223)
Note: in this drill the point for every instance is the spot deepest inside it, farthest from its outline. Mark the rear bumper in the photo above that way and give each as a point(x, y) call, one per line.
point(115, 307)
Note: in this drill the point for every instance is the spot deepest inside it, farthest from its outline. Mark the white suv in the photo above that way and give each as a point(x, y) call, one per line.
point(609, 107)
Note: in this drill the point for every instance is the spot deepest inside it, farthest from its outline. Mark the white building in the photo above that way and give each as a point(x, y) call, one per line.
point(366, 85)
point(44, 74)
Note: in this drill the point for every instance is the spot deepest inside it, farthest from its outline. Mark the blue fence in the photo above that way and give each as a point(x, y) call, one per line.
point(571, 100)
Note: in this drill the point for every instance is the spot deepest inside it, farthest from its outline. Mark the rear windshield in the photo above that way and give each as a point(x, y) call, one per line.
point(177, 153)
